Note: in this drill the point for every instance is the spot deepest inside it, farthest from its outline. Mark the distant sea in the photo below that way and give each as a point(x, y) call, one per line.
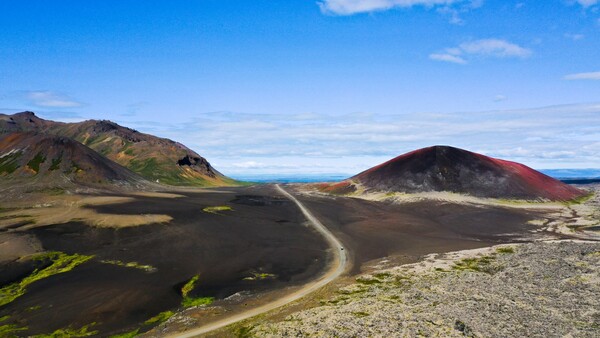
point(561, 174)
point(291, 178)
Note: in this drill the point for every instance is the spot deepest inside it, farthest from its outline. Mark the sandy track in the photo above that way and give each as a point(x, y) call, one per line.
point(337, 267)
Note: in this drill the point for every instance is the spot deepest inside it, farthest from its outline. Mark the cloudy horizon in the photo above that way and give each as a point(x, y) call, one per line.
point(315, 87)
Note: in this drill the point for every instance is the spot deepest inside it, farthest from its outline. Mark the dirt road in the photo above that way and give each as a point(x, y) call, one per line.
point(337, 267)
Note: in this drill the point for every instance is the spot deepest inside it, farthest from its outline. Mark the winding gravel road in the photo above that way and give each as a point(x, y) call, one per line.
point(337, 267)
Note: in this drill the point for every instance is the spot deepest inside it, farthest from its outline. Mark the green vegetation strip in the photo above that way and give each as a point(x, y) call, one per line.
point(580, 199)
point(478, 264)
point(55, 164)
point(505, 250)
point(10, 330)
point(192, 301)
point(217, 209)
point(61, 262)
point(133, 265)
point(35, 162)
point(189, 286)
point(130, 334)
point(260, 276)
point(159, 318)
point(84, 331)
point(8, 163)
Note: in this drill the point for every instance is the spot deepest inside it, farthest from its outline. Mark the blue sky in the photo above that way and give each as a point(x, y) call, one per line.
point(304, 86)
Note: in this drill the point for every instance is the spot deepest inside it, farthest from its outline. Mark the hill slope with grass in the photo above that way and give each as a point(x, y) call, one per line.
point(56, 161)
point(154, 158)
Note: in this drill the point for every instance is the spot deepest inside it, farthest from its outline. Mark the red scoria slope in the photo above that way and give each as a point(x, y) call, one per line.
point(443, 168)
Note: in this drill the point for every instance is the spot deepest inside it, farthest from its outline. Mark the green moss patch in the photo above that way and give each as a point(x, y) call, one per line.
point(244, 332)
point(476, 264)
point(10, 330)
point(506, 250)
point(147, 168)
point(260, 276)
point(84, 331)
point(130, 334)
point(160, 318)
point(55, 165)
point(35, 162)
point(60, 263)
point(217, 209)
point(8, 163)
point(193, 301)
point(580, 199)
point(368, 281)
point(133, 265)
point(200, 301)
point(189, 286)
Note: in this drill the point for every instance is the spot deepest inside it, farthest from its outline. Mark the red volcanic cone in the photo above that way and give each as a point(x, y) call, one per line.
point(443, 168)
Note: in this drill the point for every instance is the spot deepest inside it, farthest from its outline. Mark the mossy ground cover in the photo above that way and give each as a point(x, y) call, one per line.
point(10, 330)
point(133, 265)
point(193, 301)
point(505, 250)
point(159, 318)
point(580, 199)
point(55, 165)
point(35, 162)
point(130, 334)
point(8, 163)
point(152, 169)
point(84, 331)
point(485, 263)
point(60, 262)
point(198, 301)
point(147, 325)
point(477, 264)
point(260, 276)
point(217, 209)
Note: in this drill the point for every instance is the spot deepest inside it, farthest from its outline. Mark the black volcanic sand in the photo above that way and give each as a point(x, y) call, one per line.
point(264, 233)
point(373, 230)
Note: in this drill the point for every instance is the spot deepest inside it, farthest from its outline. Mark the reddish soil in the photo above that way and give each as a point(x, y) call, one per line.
point(443, 168)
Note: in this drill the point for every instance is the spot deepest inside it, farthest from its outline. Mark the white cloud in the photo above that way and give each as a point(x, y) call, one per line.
point(50, 99)
point(446, 57)
point(574, 37)
point(349, 7)
point(494, 47)
point(547, 137)
point(248, 165)
point(482, 48)
point(583, 76)
point(587, 3)
point(500, 98)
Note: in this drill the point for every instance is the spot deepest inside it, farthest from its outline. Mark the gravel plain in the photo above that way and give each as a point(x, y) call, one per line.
point(539, 289)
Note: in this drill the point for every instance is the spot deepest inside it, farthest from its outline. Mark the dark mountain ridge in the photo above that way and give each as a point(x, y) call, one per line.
point(56, 160)
point(154, 158)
